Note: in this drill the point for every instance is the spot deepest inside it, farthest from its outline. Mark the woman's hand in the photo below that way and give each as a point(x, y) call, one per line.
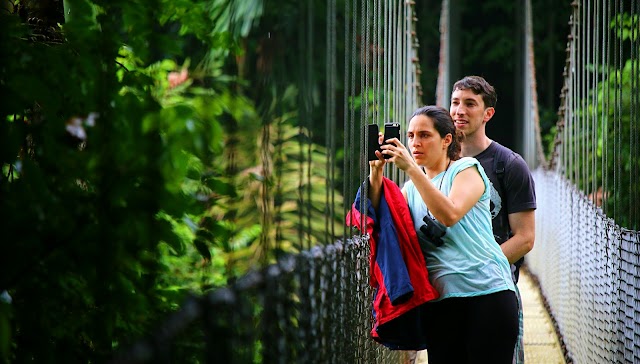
point(400, 155)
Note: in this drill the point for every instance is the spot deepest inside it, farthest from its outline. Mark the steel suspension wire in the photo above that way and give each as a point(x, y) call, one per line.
point(364, 104)
point(586, 95)
point(372, 49)
point(330, 119)
point(307, 123)
point(387, 52)
point(634, 114)
point(607, 96)
point(350, 124)
point(597, 47)
point(305, 114)
point(617, 100)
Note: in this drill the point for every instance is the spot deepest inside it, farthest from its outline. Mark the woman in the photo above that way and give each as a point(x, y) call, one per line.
point(475, 318)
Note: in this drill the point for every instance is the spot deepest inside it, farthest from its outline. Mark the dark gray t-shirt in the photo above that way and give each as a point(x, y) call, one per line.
point(516, 193)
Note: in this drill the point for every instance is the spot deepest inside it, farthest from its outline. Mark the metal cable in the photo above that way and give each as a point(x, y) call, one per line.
point(634, 218)
point(387, 59)
point(330, 122)
point(375, 63)
point(617, 182)
point(583, 81)
point(364, 138)
point(308, 120)
point(351, 126)
point(607, 105)
point(596, 133)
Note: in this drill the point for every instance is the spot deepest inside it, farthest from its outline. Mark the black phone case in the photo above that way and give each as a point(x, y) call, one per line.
point(391, 130)
point(372, 130)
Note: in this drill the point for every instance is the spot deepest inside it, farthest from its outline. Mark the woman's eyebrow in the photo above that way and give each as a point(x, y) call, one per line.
point(417, 131)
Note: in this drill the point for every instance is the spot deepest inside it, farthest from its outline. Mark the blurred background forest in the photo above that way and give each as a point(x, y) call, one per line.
point(149, 150)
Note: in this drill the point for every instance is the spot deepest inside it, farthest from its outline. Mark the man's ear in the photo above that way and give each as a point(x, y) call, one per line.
point(488, 114)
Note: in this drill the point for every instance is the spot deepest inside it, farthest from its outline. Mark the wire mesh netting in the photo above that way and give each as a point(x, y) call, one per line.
point(589, 270)
point(307, 308)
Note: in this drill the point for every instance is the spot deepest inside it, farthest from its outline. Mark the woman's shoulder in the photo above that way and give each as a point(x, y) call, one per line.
point(464, 163)
point(467, 160)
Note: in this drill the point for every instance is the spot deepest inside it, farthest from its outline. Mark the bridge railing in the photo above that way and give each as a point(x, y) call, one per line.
point(589, 271)
point(312, 307)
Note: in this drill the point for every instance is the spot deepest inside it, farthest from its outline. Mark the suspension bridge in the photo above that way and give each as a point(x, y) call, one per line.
point(314, 306)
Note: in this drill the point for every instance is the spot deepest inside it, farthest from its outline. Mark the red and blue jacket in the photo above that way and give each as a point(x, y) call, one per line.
point(397, 267)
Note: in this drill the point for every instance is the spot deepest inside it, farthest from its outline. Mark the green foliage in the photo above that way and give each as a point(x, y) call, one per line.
point(626, 25)
point(136, 169)
point(106, 164)
point(614, 137)
point(282, 176)
point(612, 145)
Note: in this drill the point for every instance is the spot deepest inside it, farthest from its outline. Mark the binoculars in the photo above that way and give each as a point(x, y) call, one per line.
point(432, 231)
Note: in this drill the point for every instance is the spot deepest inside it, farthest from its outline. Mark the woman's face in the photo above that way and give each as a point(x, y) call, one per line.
point(425, 143)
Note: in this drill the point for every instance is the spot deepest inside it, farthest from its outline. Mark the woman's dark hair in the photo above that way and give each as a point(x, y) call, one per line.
point(443, 123)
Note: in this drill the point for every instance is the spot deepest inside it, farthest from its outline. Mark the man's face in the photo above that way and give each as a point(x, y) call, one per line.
point(468, 112)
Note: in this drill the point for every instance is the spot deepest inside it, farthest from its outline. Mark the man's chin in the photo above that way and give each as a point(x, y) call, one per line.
point(462, 129)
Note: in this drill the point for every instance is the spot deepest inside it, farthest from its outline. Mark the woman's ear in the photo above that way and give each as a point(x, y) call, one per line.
point(447, 140)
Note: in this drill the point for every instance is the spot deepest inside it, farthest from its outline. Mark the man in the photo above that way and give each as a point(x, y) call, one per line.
point(513, 199)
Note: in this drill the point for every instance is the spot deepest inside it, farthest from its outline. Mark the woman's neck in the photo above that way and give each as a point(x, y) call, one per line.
point(437, 168)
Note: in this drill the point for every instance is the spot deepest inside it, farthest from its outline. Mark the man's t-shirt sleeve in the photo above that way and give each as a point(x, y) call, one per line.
point(519, 185)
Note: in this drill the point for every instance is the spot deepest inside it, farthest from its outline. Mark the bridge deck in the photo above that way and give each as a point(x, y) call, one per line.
point(541, 344)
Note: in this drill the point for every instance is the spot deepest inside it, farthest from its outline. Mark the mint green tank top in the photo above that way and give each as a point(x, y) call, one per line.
point(470, 262)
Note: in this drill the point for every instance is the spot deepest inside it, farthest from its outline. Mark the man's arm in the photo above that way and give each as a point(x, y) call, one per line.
point(523, 230)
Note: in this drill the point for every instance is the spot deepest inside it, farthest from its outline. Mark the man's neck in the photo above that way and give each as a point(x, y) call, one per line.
point(471, 147)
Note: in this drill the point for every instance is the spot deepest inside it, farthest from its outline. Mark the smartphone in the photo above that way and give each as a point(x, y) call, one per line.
point(391, 130)
point(372, 130)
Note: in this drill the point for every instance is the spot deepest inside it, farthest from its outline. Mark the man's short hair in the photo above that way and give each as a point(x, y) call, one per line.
point(478, 86)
